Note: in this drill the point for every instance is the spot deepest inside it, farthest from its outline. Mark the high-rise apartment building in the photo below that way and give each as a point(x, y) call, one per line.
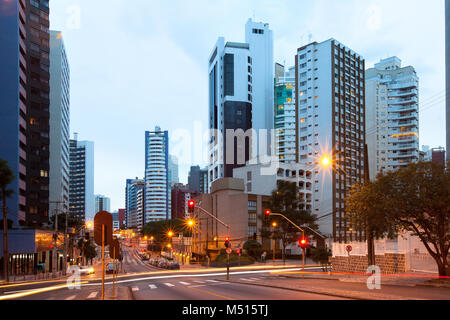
point(392, 116)
point(81, 180)
point(198, 179)
point(156, 194)
point(240, 98)
point(329, 101)
point(25, 110)
point(13, 98)
point(59, 123)
point(38, 111)
point(102, 203)
point(133, 194)
point(285, 116)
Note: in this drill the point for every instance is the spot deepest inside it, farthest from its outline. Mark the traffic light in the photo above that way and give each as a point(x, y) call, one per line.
point(227, 242)
point(267, 214)
point(191, 206)
point(303, 242)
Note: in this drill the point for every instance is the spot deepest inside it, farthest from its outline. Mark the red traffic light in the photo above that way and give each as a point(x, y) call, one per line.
point(267, 213)
point(191, 203)
point(303, 242)
point(227, 238)
point(227, 242)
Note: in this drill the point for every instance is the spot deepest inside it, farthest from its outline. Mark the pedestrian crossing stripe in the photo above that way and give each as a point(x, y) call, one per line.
point(212, 281)
point(135, 289)
point(93, 295)
point(152, 286)
point(70, 298)
point(185, 283)
point(169, 284)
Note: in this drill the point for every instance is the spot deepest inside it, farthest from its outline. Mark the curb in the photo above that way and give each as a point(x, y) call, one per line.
point(305, 291)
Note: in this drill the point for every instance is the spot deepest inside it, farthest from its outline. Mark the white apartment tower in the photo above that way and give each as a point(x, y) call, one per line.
point(157, 190)
point(330, 124)
point(392, 116)
point(59, 123)
point(240, 98)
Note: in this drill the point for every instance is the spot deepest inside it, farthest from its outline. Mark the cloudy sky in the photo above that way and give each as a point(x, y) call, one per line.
point(140, 63)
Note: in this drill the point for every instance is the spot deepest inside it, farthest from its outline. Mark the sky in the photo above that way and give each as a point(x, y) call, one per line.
point(139, 64)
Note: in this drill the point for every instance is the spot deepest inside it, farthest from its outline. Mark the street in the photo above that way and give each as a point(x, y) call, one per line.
point(143, 282)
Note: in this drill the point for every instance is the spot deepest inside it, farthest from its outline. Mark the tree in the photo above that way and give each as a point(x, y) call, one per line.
point(286, 201)
point(321, 255)
point(6, 178)
point(159, 230)
point(253, 248)
point(414, 199)
point(87, 249)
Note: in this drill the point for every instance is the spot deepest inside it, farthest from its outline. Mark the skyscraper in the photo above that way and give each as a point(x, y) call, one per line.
point(156, 193)
point(59, 122)
point(81, 180)
point(447, 69)
point(392, 116)
point(198, 179)
point(24, 114)
point(133, 194)
point(331, 128)
point(240, 98)
point(38, 111)
point(102, 203)
point(13, 99)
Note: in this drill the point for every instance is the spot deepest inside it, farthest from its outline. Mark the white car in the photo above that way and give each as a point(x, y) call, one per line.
point(86, 270)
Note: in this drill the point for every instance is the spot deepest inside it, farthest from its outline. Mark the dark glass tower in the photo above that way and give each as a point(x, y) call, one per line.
point(38, 111)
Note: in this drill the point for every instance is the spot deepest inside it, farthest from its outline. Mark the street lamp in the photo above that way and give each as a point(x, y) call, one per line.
point(325, 161)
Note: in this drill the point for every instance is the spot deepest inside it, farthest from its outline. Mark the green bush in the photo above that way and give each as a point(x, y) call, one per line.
point(221, 260)
point(254, 248)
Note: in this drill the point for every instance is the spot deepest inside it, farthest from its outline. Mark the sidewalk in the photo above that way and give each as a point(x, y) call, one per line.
point(121, 293)
point(410, 279)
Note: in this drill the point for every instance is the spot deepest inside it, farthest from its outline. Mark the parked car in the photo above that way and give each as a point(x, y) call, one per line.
point(110, 267)
point(174, 265)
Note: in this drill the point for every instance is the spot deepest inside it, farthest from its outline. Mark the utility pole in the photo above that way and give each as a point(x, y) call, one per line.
point(369, 233)
point(55, 242)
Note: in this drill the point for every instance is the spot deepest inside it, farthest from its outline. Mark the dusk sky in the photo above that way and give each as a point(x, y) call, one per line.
point(141, 63)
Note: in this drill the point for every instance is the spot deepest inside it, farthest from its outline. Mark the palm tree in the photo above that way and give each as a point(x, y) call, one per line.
point(6, 177)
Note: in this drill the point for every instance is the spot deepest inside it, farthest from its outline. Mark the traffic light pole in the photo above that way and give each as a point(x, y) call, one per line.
point(303, 236)
point(228, 231)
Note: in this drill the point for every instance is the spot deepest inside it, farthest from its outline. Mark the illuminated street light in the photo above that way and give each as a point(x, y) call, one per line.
point(170, 234)
point(325, 161)
point(89, 225)
point(274, 224)
point(190, 223)
point(169, 245)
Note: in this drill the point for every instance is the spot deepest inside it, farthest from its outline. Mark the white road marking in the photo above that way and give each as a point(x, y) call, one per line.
point(152, 286)
point(93, 295)
point(169, 285)
point(212, 281)
point(135, 289)
point(70, 298)
point(243, 279)
point(185, 283)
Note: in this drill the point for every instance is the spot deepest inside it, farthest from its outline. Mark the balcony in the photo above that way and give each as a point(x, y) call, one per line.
point(405, 85)
point(411, 100)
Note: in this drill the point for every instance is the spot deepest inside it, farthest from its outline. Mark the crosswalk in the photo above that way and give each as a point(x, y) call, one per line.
point(154, 286)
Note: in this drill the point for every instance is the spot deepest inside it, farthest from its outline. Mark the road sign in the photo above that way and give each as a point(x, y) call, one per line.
point(103, 218)
point(349, 249)
point(114, 249)
point(229, 250)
